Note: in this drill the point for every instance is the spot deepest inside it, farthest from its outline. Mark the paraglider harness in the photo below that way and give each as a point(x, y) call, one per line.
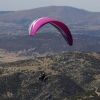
point(42, 77)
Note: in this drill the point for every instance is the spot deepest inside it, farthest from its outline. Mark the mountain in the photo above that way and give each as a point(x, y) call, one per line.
point(17, 22)
point(71, 76)
point(5, 12)
point(63, 13)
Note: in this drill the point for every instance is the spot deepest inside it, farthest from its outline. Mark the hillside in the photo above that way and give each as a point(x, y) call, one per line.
point(63, 13)
point(46, 44)
point(70, 75)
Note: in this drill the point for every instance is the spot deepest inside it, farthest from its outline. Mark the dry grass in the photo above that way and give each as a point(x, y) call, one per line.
point(96, 55)
point(97, 76)
point(10, 57)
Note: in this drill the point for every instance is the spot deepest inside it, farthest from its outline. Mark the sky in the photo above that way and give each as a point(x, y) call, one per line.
point(15, 5)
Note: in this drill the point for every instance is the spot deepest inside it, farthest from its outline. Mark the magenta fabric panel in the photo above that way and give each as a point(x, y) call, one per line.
point(37, 24)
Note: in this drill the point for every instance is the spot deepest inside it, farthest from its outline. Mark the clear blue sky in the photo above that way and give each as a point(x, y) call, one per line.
point(13, 5)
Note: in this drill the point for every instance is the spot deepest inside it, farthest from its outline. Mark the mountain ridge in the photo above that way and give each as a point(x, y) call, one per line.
point(70, 75)
point(62, 13)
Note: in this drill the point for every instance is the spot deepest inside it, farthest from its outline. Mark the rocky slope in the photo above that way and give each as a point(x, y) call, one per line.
point(70, 75)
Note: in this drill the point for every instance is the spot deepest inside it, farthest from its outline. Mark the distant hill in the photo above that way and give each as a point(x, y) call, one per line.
point(17, 22)
point(68, 15)
point(71, 76)
point(5, 12)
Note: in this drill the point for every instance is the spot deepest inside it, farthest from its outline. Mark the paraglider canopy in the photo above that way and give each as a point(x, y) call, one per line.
point(61, 27)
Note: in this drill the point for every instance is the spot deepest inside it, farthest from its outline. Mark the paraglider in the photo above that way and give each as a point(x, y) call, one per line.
point(43, 77)
point(61, 27)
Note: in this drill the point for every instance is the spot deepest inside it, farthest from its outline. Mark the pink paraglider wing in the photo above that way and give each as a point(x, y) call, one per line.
point(62, 28)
